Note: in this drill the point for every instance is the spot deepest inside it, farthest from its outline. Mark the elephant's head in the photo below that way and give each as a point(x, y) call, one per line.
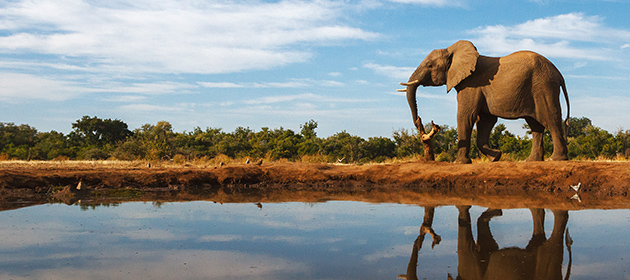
point(443, 66)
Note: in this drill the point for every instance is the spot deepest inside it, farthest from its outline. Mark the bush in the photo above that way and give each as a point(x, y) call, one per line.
point(95, 154)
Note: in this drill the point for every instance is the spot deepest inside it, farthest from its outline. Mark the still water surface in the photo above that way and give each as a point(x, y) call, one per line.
point(331, 240)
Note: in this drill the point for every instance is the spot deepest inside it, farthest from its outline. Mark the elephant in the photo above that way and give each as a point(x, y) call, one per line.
point(541, 259)
point(523, 84)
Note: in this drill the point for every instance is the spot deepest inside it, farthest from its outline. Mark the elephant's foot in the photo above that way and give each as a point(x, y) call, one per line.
point(463, 160)
point(535, 158)
point(494, 155)
point(559, 157)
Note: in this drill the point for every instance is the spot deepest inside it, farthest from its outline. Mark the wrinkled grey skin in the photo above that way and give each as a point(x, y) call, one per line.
point(520, 85)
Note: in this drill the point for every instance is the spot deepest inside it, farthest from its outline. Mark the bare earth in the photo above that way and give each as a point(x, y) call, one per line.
point(502, 184)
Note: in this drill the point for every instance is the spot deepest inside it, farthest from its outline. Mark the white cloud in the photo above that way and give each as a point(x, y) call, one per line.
point(396, 72)
point(220, 85)
point(556, 36)
point(175, 36)
point(155, 88)
point(296, 83)
point(439, 3)
point(147, 108)
point(17, 87)
point(278, 99)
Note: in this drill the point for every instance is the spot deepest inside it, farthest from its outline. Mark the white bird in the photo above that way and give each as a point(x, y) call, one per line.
point(576, 187)
point(247, 161)
point(576, 197)
point(339, 160)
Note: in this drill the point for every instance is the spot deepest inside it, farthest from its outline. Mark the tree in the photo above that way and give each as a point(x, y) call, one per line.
point(17, 140)
point(445, 143)
point(310, 144)
point(51, 145)
point(378, 149)
point(622, 138)
point(92, 131)
point(407, 144)
point(343, 146)
point(577, 126)
point(594, 143)
point(157, 141)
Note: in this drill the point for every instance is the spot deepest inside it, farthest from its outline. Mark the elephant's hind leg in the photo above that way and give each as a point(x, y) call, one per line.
point(484, 128)
point(538, 152)
point(559, 142)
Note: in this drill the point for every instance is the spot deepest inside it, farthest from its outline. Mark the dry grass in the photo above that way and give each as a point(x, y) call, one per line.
point(205, 162)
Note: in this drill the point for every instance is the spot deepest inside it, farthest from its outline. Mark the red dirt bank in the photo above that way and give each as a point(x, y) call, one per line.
point(500, 184)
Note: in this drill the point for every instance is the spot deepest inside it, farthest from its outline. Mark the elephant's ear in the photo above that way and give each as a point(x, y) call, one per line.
point(463, 61)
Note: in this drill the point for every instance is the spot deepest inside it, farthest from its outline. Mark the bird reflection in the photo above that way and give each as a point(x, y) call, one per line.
point(541, 259)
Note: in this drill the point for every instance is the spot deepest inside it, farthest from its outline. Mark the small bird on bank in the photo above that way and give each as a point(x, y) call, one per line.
point(576, 197)
point(247, 161)
point(576, 187)
point(258, 162)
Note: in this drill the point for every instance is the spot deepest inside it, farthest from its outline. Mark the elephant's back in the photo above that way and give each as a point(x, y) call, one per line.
point(532, 63)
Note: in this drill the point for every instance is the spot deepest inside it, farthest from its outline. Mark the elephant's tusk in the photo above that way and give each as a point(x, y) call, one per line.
point(412, 83)
point(401, 90)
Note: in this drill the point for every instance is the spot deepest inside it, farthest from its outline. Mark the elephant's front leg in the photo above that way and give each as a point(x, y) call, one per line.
point(469, 102)
point(465, 122)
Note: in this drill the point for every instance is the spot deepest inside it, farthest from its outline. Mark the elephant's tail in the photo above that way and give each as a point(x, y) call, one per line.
point(566, 97)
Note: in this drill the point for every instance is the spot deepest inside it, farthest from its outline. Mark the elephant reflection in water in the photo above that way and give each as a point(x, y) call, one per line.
point(541, 259)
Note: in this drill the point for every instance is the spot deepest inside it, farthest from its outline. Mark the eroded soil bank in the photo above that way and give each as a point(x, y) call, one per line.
point(500, 184)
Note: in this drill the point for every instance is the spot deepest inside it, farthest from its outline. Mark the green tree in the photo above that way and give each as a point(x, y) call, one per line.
point(156, 141)
point(594, 143)
point(343, 146)
point(93, 131)
point(407, 144)
point(310, 144)
point(623, 142)
point(445, 143)
point(378, 149)
point(577, 126)
point(51, 145)
point(508, 143)
point(17, 140)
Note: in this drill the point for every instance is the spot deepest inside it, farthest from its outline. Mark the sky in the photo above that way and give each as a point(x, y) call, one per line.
point(225, 64)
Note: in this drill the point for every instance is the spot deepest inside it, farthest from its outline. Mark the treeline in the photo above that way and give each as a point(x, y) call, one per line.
point(93, 138)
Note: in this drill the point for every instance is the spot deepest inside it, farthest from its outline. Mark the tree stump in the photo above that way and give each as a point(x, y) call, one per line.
point(429, 155)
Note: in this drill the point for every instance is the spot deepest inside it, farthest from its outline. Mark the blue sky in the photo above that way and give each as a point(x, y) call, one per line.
point(281, 63)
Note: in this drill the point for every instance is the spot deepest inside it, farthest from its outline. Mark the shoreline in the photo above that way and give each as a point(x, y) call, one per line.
point(546, 184)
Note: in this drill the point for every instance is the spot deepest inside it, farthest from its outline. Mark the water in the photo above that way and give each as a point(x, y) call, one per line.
point(331, 240)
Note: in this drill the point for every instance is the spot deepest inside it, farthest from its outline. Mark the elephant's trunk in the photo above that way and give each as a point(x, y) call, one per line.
point(412, 87)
